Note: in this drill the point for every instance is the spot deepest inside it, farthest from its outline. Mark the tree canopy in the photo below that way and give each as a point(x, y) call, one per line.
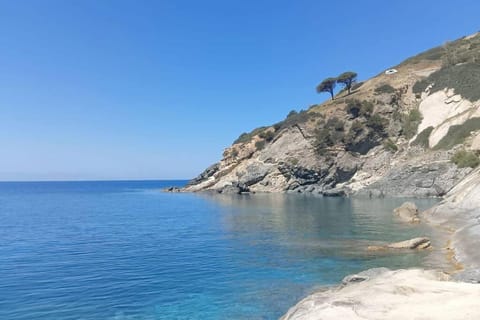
point(347, 79)
point(327, 85)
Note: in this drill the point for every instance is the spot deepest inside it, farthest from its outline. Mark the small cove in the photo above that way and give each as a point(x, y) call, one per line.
point(124, 250)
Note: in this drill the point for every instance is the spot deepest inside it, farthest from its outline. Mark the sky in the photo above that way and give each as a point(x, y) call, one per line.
point(114, 89)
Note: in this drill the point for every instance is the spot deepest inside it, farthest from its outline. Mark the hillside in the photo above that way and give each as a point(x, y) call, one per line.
point(413, 132)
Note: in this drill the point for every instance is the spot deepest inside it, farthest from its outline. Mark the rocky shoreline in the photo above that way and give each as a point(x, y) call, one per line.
point(415, 294)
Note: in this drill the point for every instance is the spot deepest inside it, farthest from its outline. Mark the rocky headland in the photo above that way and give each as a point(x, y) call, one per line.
point(407, 133)
point(412, 130)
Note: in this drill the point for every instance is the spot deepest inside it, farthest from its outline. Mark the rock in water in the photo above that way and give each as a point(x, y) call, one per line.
point(407, 212)
point(416, 243)
point(172, 189)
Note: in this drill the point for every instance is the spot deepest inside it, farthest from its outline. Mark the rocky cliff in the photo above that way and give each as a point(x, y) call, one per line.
point(384, 294)
point(411, 131)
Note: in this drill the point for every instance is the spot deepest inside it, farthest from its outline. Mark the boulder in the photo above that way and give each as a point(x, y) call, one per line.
point(335, 192)
point(234, 188)
point(415, 243)
point(172, 189)
point(407, 212)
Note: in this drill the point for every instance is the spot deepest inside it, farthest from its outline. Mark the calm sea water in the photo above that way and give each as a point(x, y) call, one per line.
point(124, 250)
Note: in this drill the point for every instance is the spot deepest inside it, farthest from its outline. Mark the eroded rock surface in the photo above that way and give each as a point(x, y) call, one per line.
point(389, 295)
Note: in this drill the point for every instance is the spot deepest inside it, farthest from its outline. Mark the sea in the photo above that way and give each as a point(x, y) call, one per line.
point(119, 250)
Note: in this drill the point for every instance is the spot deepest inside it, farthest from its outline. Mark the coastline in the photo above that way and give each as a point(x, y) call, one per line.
point(430, 294)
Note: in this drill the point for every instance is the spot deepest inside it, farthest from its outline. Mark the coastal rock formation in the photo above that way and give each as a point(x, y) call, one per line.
point(415, 243)
point(392, 295)
point(393, 135)
point(460, 213)
point(407, 212)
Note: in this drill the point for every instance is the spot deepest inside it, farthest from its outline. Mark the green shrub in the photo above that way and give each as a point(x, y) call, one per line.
point(410, 123)
point(432, 54)
point(464, 78)
point(385, 88)
point(356, 86)
point(295, 118)
point(323, 140)
point(366, 109)
point(464, 159)
point(246, 137)
point(422, 138)
point(331, 133)
point(353, 108)
point(458, 51)
point(358, 108)
point(377, 123)
point(355, 129)
point(389, 145)
point(267, 135)
point(335, 124)
point(456, 134)
point(260, 144)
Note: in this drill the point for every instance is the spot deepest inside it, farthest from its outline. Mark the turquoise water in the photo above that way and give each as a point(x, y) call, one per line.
point(124, 250)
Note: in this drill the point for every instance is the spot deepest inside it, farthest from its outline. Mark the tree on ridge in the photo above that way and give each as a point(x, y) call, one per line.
point(327, 85)
point(347, 79)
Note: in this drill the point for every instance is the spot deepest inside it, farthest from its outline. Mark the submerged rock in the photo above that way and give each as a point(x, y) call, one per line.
point(415, 243)
point(335, 192)
point(407, 212)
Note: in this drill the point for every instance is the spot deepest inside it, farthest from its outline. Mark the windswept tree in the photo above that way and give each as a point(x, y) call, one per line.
point(347, 79)
point(327, 85)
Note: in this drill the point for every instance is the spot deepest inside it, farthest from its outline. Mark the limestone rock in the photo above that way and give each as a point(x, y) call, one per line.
point(407, 212)
point(476, 143)
point(399, 294)
point(416, 243)
point(363, 276)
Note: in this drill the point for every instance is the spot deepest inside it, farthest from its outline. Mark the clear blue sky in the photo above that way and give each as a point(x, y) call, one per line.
point(94, 89)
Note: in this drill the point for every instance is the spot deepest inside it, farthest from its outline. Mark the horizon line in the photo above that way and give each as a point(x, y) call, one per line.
point(93, 180)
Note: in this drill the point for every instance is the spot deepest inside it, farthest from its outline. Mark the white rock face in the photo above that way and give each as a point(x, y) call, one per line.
point(460, 211)
point(401, 294)
point(416, 243)
point(476, 142)
point(443, 109)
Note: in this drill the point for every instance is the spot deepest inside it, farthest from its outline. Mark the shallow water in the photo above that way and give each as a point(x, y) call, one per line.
point(124, 250)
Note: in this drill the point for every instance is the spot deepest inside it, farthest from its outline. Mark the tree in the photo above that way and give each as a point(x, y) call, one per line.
point(347, 79)
point(327, 85)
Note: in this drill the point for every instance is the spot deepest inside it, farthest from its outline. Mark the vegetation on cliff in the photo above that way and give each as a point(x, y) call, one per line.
point(330, 143)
